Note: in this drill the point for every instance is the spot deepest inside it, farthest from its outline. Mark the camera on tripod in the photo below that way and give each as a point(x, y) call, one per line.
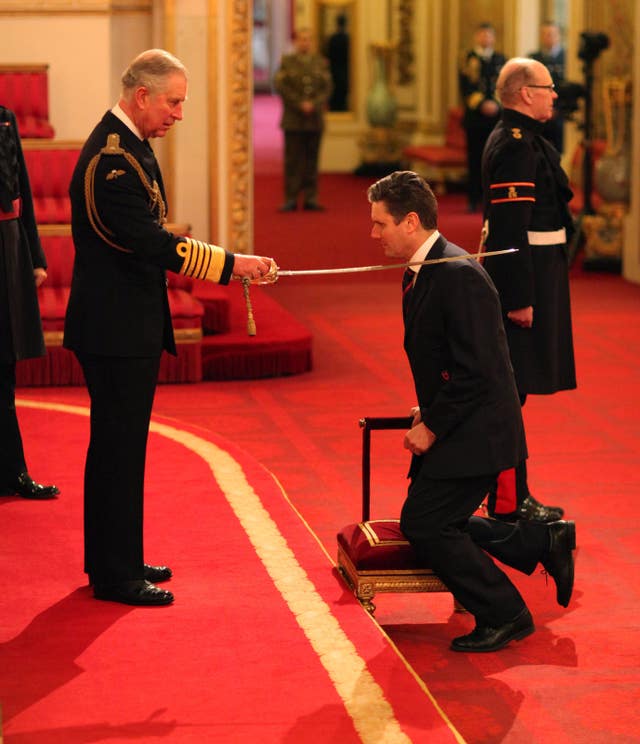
point(591, 44)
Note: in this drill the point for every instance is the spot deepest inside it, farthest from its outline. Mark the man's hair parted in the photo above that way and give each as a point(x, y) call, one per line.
point(403, 192)
point(150, 69)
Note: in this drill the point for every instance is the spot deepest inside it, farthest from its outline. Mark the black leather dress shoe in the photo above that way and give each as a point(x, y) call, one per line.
point(27, 488)
point(313, 207)
point(484, 638)
point(157, 574)
point(558, 562)
point(532, 510)
point(289, 206)
point(142, 593)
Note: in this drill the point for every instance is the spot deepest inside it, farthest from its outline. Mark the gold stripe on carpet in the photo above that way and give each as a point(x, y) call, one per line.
point(363, 698)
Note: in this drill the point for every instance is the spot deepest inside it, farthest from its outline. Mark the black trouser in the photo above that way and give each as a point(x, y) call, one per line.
point(12, 461)
point(121, 391)
point(437, 520)
point(301, 150)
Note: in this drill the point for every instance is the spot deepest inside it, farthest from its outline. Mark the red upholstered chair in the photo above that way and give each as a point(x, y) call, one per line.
point(50, 166)
point(25, 90)
point(373, 555)
point(444, 162)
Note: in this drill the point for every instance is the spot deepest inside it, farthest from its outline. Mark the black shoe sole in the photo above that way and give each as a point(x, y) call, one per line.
point(515, 637)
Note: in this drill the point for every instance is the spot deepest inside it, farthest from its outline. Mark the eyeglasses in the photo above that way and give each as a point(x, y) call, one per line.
point(551, 87)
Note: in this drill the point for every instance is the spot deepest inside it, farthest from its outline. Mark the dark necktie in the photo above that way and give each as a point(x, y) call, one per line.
point(407, 286)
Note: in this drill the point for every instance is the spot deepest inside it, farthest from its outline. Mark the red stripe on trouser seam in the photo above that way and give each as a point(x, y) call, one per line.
point(506, 496)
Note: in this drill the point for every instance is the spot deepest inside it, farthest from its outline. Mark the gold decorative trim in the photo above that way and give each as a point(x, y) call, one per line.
point(239, 101)
point(53, 339)
point(75, 7)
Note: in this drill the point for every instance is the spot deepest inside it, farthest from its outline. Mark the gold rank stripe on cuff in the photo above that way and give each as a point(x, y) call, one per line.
point(201, 260)
point(513, 191)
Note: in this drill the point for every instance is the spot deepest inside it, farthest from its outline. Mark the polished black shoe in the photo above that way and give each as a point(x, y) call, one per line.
point(313, 207)
point(537, 512)
point(533, 511)
point(484, 638)
point(27, 488)
point(157, 574)
point(558, 562)
point(288, 207)
point(142, 593)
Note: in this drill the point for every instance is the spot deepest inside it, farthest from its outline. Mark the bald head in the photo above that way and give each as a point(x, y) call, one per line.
point(525, 85)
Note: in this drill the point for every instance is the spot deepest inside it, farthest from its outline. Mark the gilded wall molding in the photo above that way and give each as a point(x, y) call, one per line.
point(77, 7)
point(238, 111)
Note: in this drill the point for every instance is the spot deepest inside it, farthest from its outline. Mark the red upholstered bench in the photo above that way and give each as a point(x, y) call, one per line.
point(373, 555)
point(25, 90)
point(60, 367)
point(448, 161)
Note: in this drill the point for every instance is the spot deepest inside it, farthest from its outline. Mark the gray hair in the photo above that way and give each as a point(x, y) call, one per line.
point(150, 69)
point(516, 73)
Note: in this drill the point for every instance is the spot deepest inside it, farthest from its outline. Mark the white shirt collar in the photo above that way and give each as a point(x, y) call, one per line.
point(124, 118)
point(422, 252)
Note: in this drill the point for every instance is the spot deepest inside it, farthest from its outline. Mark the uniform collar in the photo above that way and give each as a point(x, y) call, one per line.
point(513, 118)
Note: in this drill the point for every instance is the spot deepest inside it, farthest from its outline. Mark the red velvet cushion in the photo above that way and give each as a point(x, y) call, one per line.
point(184, 305)
point(33, 127)
point(59, 252)
point(377, 545)
point(53, 306)
point(50, 170)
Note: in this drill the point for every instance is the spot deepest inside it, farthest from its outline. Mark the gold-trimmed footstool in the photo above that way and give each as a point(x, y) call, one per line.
point(373, 555)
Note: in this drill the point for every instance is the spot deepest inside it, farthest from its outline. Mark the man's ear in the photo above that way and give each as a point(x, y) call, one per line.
point(141, 96)
point(412, 220)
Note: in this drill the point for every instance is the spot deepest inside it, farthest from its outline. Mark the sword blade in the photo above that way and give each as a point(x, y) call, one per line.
point(386, 267)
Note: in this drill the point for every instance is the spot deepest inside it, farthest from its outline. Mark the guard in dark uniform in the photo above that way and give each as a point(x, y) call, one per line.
point(552, 56)
point(22, 270)
point(526, 194)
point(303, 81)
point(478, 74)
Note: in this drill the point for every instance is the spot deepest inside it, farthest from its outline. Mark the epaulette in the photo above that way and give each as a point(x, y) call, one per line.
point(156, 202)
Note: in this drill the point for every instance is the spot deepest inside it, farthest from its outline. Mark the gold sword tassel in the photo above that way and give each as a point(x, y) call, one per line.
point(251, 324)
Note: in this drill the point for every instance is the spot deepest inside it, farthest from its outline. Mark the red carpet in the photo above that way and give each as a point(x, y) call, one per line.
point(263, 643)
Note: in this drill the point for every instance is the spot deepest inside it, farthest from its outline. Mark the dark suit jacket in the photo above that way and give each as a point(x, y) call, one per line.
point(118, 304)
point(457, 349)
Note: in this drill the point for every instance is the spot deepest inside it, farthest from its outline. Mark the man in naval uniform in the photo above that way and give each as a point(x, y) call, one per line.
point(303, 81)
point(118, 321)
point(477, 77)
point(526, 194)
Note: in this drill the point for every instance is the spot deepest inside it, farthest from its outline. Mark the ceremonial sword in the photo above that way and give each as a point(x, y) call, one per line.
point(266, 279)
point(274, 273)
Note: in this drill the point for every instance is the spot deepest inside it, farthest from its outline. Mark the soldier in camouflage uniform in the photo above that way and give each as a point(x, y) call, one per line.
point(304, 83)
point(478, 74)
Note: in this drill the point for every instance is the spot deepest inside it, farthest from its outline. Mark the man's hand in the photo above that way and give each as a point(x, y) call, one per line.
point(256, 268)
point(489, 108)
point(39, 275)
point(522, 317)
point(419, 439)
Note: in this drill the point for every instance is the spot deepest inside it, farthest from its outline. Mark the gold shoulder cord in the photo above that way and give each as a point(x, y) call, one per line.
point(156, 202)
